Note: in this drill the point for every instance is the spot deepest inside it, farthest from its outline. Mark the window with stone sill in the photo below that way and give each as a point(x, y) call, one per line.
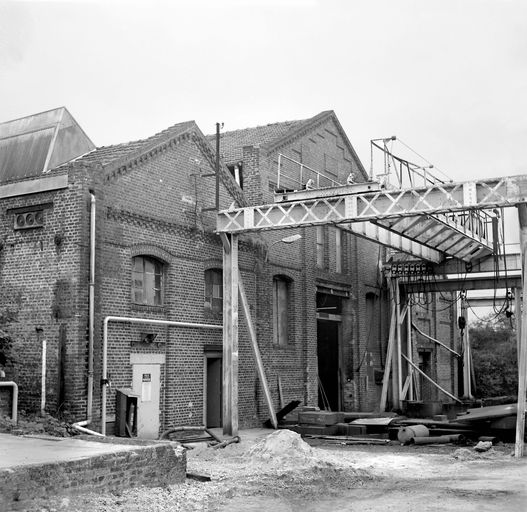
point(147, 281)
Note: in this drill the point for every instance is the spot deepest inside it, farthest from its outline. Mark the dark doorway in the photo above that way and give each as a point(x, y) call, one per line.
point(214, 387)
point(328, 364)
point(425, 365)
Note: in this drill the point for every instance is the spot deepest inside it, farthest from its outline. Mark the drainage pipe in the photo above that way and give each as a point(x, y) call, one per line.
point(133, 320)
point(91, 312)
point(43, 378)
point(452, 438)
point(80, 426)
point(14, 405)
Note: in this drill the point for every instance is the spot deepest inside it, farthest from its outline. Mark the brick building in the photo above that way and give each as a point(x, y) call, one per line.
point(145, 210)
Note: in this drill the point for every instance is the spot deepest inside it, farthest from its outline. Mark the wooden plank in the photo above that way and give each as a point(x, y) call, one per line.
point(230, 337)
point(256, 354)
point(416, 368)
point(522, 355)
point(280, 392)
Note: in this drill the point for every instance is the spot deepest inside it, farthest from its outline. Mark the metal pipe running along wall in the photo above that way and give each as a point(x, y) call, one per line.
point(133, 320)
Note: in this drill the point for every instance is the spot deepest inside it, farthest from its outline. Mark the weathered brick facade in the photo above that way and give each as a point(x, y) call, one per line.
point(151, 200)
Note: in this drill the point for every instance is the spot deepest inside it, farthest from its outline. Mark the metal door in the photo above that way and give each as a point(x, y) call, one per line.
point(146, 383)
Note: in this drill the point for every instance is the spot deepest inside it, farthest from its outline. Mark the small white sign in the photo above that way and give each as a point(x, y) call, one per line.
point(146, 387)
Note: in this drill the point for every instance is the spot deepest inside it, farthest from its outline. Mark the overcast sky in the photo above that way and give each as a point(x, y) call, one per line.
point(447, 77)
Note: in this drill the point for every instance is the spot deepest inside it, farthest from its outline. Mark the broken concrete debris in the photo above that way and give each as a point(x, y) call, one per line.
point(483, 446)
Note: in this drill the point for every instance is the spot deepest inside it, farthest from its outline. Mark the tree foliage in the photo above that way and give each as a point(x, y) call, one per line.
point(7, 351)
point(493, 342)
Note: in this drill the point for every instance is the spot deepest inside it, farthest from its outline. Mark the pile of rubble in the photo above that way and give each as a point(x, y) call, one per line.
point(37, 424)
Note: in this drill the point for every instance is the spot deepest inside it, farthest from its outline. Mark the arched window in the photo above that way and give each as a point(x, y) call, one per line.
point(147, 281)
point(281, 302)
point(214, 291)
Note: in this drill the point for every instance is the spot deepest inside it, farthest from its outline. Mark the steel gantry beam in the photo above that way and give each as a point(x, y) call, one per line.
point(341, 205)
point(429, 215)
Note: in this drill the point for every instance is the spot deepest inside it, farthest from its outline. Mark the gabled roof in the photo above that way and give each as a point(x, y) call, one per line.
point(106, 156)
point(232, 143)
point(32, 145)
point(272, 136)
point(121, 158)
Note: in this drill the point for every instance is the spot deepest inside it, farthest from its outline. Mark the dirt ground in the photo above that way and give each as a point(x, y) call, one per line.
point(280, 472)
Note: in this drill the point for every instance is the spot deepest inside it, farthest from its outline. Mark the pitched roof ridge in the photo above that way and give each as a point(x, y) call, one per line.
point(277, 123)
point(128, 151)
point(299, 128)
point(158, 135)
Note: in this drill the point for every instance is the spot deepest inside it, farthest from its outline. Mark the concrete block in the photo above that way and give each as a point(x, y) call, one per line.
point(318, 418)
point(330, 430)
point(346, 429)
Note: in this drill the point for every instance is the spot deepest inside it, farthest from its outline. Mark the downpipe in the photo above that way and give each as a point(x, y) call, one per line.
point(81, 425)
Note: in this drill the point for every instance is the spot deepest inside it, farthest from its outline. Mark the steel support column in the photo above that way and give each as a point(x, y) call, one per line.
point(467, 356)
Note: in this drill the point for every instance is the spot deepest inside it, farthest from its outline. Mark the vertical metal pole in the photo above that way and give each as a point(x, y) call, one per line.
point(279, 170)
point(230, 337)
point(522, 355)
point(398, 350)
point(217, 170)
point(43, 378)
point(409, 351)
point(396, 358)
point(467, 356)
point(518, 314)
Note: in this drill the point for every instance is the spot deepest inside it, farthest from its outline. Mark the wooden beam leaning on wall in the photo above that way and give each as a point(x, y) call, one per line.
point(256, 352)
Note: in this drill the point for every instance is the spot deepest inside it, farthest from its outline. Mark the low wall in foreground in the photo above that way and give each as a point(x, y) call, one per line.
point(149, 464)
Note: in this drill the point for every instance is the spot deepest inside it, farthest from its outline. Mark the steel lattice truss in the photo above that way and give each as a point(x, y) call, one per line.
point(439, 217)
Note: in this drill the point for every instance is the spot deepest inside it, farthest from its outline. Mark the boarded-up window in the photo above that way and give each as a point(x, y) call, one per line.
point(147, 281)
point(280, 310)
point(214, 290)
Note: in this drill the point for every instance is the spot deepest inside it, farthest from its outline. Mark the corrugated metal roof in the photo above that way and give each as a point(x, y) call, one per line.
point(32, 145)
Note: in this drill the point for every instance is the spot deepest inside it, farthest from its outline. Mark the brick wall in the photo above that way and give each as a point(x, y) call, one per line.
point(359, 275)
point(42, 284)
point(149, 465)
point(156, 208)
